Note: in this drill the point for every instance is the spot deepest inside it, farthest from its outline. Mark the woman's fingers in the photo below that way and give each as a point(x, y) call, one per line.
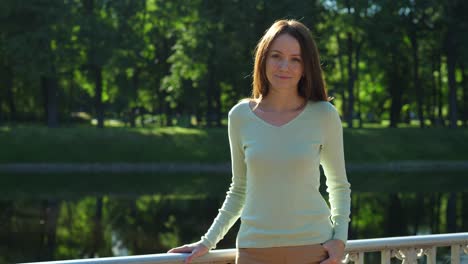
point(197, 252)
point(330, 261)
point(335, 250)
point(182, 249)
point(190, 257)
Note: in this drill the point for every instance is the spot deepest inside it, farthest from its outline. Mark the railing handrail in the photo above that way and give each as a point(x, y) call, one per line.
point(378, 244)
point(360, 245)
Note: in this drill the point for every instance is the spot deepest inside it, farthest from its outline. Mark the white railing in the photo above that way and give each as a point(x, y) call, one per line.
point(407, 249)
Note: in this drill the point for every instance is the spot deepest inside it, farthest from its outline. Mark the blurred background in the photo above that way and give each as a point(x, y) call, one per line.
point(141, 82)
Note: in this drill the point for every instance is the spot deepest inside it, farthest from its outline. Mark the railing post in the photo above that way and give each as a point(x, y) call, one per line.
point(455, 254)
point(431, 254)
point(408, 255)
point(355, 257)
point(386, 256)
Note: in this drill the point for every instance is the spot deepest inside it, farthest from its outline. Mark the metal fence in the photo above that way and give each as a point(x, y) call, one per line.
point(405, 249)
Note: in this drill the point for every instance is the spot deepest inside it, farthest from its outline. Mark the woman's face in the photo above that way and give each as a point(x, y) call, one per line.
point(284, 66)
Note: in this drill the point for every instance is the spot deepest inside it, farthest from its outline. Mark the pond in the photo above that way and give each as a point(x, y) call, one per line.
point(69, 216)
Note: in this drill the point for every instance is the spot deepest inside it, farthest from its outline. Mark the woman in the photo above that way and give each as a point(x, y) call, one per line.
point(278, 138)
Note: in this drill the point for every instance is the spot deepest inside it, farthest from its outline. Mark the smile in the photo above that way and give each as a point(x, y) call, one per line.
point(283, 77)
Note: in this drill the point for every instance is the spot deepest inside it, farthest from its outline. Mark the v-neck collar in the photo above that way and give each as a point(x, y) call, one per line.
point(290, 122)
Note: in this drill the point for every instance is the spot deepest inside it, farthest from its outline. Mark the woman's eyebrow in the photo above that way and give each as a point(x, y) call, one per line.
point(299, 55)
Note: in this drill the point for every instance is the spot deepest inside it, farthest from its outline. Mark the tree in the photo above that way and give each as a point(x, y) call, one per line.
point(98, 37)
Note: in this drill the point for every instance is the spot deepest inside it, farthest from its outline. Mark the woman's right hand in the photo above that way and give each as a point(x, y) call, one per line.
point(196, 250)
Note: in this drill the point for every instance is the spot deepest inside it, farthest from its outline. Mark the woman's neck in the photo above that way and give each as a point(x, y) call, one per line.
point(281, 102)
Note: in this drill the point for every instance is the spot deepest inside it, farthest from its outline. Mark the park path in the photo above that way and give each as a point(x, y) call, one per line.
point(391, 166)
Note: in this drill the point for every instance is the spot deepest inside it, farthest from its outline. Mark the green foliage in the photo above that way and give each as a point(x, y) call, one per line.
point(179, 57)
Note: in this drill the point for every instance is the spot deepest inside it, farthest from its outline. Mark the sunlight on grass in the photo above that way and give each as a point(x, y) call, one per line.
point(34, 143)
point(146, 200)
point(109, 123)
point(360, 131)
point(183, 131)
point(172, 131)
point(372, 125)
point(386, 124)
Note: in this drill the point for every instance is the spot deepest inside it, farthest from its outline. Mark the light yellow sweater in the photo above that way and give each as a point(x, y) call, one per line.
point(276, 178)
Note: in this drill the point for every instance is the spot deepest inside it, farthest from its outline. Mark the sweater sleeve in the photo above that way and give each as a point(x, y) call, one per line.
point(333, 164)
point(235, 197)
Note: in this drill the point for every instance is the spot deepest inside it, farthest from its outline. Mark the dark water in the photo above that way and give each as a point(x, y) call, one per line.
point(52, 217)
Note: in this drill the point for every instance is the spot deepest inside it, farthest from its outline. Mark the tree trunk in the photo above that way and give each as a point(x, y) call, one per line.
point(1, 102)
point(356, 81)
point(45, 96)
point(451, 62)
point(71, 96)
point(342, 75)
point(49, 88)
point(10, 94)
point(416, 82)
point(198, 116)
point(1, 112)
point(209, 93)
point(451, 49)
point(441, 94)
point(162, 109)
point(434, 103)
point(162, 56)
point(464, 84)
point(134, 95)
point(350, 112)
point(98, 96)
point(170, 115)
point(217, 109)
point(396, 91)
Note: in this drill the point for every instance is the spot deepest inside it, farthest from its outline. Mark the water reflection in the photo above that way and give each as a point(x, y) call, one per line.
point(150, 214)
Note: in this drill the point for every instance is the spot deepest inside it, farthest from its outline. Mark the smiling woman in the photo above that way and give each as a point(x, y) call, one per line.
point(284, 63)
point(278, 140)
point(289, 39)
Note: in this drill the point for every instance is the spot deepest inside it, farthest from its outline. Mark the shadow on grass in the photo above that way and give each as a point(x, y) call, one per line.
point(84, 144)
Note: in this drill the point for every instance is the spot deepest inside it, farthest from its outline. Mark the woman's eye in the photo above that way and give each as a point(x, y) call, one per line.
point(297, 60)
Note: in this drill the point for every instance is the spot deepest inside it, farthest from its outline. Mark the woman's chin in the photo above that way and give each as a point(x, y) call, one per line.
point(284, 87)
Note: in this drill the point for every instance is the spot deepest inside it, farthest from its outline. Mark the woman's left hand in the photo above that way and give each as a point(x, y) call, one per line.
point(335, 249)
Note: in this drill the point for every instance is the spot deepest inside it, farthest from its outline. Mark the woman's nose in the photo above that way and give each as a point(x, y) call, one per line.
point(283, 64)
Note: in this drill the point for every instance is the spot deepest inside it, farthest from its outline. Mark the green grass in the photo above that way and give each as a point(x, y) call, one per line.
point(392, 144)
point(89, 144)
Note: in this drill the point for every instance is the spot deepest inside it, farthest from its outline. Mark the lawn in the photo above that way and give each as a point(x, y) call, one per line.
point(175, 144)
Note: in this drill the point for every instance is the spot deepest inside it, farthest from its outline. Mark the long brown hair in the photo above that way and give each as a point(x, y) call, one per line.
point(312, 85)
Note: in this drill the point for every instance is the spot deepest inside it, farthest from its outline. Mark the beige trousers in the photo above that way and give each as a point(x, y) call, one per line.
point(309, 254)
